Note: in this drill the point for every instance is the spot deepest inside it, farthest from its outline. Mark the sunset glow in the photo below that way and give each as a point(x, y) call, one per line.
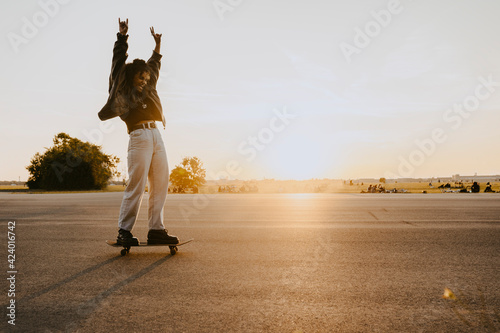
point(363, 99)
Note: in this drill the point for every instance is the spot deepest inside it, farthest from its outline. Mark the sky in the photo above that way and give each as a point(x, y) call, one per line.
point(256, 89)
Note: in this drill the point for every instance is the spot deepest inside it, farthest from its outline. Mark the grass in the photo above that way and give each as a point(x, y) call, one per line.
point(313, 186)
point(416, 187)
point(335, 186)
point(25, 189)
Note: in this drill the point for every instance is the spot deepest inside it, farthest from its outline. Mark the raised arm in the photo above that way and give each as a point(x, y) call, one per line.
point(119, 51)
point(154, 62)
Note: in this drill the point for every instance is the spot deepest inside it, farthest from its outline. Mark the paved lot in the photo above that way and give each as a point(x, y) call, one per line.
point(278, 263)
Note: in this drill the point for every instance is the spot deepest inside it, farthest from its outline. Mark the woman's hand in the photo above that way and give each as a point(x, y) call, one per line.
point(157, 38)
point(123, 27)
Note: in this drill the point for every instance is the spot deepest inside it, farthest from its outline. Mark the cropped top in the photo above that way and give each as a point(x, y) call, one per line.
point(139, 113)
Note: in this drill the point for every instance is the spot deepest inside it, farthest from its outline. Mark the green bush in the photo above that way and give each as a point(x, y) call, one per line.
point(71, 164)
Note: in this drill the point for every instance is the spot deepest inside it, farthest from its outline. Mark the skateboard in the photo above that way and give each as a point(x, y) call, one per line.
point(126, 248)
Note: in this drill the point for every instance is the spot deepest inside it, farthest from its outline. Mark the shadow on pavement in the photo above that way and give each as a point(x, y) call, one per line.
point(85, 309)
point(57, 317)
point(67, 280)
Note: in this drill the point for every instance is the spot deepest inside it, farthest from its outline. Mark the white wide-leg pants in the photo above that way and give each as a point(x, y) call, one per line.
point(147, 159)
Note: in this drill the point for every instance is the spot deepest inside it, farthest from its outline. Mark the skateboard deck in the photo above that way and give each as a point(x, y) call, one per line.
point(126, 248)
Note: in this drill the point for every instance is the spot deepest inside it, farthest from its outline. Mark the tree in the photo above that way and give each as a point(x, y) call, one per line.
point(71, 164)
point(382, 180)
point(179, 178)
point(189, 174)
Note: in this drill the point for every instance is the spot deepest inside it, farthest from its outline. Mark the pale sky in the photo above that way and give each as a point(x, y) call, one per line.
point(266, 89)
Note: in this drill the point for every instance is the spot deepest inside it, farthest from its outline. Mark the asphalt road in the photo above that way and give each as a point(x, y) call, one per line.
point(259, 263)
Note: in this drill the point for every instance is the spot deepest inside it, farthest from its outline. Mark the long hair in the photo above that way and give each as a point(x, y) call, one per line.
point(126, 88)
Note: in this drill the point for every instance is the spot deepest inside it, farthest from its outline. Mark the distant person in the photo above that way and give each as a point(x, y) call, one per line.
point(488, 188)
point(133, 97)
point(475, 187)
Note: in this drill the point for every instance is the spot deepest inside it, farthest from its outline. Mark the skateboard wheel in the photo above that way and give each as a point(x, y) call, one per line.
point(173, 250)
point(123, 252)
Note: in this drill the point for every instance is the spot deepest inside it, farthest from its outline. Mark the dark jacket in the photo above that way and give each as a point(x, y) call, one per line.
point(119, 104)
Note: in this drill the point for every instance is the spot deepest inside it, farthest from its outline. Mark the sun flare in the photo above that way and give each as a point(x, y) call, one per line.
point(297, 158)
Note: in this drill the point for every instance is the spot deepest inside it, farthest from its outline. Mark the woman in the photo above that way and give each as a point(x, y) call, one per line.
point(133, 97)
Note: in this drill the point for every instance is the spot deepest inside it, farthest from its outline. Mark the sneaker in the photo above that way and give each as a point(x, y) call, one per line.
point(125, 238)
point(161, 237)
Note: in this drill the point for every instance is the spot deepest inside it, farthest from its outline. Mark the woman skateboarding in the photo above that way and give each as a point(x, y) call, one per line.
point(133, 98)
